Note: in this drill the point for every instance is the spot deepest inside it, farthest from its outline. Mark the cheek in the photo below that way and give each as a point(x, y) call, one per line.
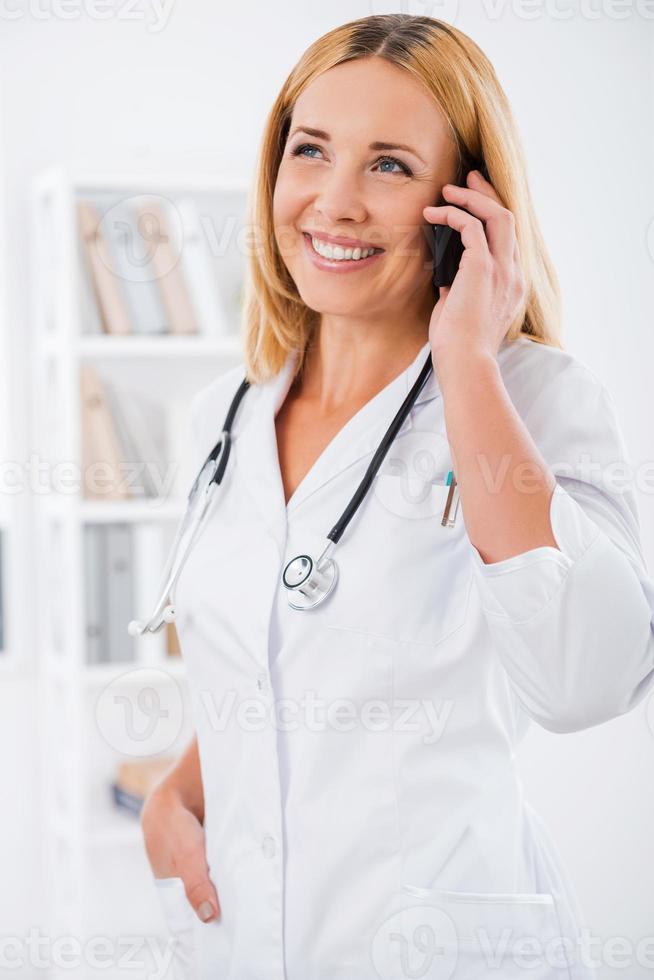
point(290, 202)
point(286, 210)
point(409, 246)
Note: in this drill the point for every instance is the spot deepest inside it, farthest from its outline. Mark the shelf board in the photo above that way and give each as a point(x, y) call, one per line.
point(153, 509)
point(130, 511)
point(105, 346)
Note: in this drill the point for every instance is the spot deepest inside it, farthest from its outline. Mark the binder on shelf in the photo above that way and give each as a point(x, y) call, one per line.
point(125, 431)
point(119, 592)
point(107, 286)
point(159, 221)
point(126, 801)
point(109, 593)
point(210, 310)
point(89, 310)
point(141, 427)
point(133, 255)
point(94, 597)
point(100, 442)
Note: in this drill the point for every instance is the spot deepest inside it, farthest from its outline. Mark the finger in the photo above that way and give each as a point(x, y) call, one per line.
point(497, 220)
point(199, 888)
point(469, 227)
point(477, 181)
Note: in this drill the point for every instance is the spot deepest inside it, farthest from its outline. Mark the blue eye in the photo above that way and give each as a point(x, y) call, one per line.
point(299, 151)
point(303, 146)
point(403, 166)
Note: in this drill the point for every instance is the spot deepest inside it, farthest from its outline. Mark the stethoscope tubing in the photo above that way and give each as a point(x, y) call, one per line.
point(378, 458)
point(200, 497)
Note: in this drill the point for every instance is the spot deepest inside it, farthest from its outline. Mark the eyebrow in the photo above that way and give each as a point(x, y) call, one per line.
point(378, 145)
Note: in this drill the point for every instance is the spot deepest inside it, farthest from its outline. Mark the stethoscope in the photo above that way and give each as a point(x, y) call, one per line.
point(307, 581)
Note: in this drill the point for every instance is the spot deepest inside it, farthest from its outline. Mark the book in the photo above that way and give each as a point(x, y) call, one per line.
point(106, 283)
point(132, 256)
point(197, 265)
point(93, 546)
point(140, 425)
point(103, 455)
point(161, 223)
point(89, 311)
point(118, 578)
point(139, 776)
point(109, 592)
point(126, 801)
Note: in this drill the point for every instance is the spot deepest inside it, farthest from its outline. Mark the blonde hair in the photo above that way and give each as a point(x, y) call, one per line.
point(462, 80)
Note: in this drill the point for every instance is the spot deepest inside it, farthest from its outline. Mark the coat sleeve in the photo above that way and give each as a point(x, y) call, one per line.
point(573, 627)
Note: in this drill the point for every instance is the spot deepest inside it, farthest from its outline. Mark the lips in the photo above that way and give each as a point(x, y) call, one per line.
point(338, 265)
point(340, 240)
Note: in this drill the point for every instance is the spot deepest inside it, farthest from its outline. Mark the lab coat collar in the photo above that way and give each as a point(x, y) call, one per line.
point(256, 451)
point(255, 445)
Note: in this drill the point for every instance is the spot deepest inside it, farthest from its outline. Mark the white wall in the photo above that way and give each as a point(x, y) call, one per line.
point(115, 95)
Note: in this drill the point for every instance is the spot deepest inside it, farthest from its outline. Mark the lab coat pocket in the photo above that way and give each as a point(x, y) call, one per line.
point(180, 952)
point(454, 935)
point(408, 577)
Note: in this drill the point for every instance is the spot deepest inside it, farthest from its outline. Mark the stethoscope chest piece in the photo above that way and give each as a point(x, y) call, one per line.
point(309, 582)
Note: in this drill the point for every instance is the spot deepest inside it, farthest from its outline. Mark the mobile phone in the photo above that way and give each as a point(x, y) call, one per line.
point(446, 245)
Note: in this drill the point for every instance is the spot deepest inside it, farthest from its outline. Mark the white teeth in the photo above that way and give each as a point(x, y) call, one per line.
point(339, 253)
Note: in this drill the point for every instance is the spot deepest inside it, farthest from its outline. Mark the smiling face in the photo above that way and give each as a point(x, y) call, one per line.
point(339, 188)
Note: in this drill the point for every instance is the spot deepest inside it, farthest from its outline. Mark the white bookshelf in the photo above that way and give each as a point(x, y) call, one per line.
point(82, 827)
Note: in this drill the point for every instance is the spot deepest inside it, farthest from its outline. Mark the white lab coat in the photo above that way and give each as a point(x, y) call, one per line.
point(376, 826)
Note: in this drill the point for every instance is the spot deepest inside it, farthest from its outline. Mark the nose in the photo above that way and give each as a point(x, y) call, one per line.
point(340, 198)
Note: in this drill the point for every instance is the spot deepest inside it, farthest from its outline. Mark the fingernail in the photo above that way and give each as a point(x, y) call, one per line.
point(205, 911)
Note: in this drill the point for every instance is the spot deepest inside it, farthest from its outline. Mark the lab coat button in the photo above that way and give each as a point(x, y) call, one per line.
point(262, 682)
point(268, 847)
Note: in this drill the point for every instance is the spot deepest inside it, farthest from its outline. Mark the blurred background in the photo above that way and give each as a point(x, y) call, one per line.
point(125, 123)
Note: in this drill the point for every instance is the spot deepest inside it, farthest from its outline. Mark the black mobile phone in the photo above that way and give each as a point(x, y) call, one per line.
point(446, 245)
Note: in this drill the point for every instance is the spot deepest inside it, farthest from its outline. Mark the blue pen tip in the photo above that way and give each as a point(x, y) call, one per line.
point(449, 478)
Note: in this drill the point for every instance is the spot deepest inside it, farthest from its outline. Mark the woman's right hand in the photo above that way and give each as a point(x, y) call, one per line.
point(175, 845)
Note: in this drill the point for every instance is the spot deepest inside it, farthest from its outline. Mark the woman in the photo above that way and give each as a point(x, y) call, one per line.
point(374, 824)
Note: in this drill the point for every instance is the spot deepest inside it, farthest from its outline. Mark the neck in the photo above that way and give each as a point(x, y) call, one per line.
point(348, 366)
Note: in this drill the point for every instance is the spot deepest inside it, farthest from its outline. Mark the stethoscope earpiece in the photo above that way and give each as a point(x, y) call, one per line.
point(135, 627)
point(169, 614)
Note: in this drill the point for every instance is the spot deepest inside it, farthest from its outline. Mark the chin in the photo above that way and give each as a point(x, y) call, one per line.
point(334, 299)
point(327, 307)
